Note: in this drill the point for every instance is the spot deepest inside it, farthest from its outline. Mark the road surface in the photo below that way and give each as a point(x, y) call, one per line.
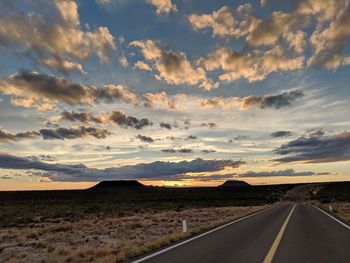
point(285, 233)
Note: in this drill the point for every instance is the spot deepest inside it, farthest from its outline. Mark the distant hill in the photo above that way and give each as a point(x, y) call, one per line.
point(234, 183)
point(110, 185)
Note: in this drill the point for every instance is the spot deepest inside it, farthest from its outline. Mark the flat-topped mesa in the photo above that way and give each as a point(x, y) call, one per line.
point(110, 185)
point(234, 183)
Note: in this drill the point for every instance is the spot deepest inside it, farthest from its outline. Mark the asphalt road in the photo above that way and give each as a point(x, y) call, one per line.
point(286, 233)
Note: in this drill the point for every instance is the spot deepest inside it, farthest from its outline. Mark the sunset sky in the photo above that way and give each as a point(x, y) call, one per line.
point(173, 92)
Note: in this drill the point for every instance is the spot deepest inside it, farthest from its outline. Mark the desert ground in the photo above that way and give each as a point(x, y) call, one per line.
point(100, 238)
point(117, 225)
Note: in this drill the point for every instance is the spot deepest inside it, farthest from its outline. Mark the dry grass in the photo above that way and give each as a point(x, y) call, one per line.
point(100, 238)
point(339, 209)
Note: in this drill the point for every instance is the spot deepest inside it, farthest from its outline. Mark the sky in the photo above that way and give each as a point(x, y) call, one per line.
point(173, 92)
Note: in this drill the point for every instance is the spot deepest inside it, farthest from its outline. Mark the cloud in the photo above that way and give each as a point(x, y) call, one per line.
point(287, 172)
point(8, 137)
point(63, 65)
point(279, 134)
point(256, 32)
point(84, 117)
point(278, 27)
point(182, 150)
point(142, 66)
point(186, 150)
point(124, 61)
point(328, 43)
point(111, 92)
point(163, 6)
point(206, 151)
point(252, 66)
point(56, 38)
point(41, 91)
point(278, 101)
point(161, 100)
point(173, 67)
point(117, 117)
point(208, 124)
point(165, 125)
point(316, 148)
point(144, 138)
point(156, 99)
point(158, 170)
point(281, 37)
point(73, 133)
point(42, 157)
point(328, 39)
point(274, 101)
point(52, 134)
point(221, 21)
point(232, 102)
point(121, 119)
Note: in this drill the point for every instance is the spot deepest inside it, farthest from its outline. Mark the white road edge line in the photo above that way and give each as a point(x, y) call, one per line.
point(340, 222)
point(195, 237)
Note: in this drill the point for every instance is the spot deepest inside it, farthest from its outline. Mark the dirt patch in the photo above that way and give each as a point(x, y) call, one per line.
point(106, 238)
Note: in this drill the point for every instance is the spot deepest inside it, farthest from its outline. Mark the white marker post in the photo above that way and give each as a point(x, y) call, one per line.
point(184, 226)
point(330, 208)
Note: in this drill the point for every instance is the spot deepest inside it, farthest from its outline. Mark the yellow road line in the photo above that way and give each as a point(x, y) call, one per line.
point(273, 249)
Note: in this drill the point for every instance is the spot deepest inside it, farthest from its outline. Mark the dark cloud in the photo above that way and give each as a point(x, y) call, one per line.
point(209, 124)
point(324, 173)
point(50, 124)
point(117, 117)
point(316, 132)
point(44, 91)
point(316, 147)
point(52, 87)
point(58, 134)
point(73, 133)
point(273, 101)
point(165, 125)
point(144, 138)
point(147, 171)
point(186, 150)
point(110, 93)
point(287, 172)
point(84, 117)
point(268, 101)
point(6, 136)
point(27, 135)
point(279, 134)
point(121, 119)
point(208, 151)
point(183, 150)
